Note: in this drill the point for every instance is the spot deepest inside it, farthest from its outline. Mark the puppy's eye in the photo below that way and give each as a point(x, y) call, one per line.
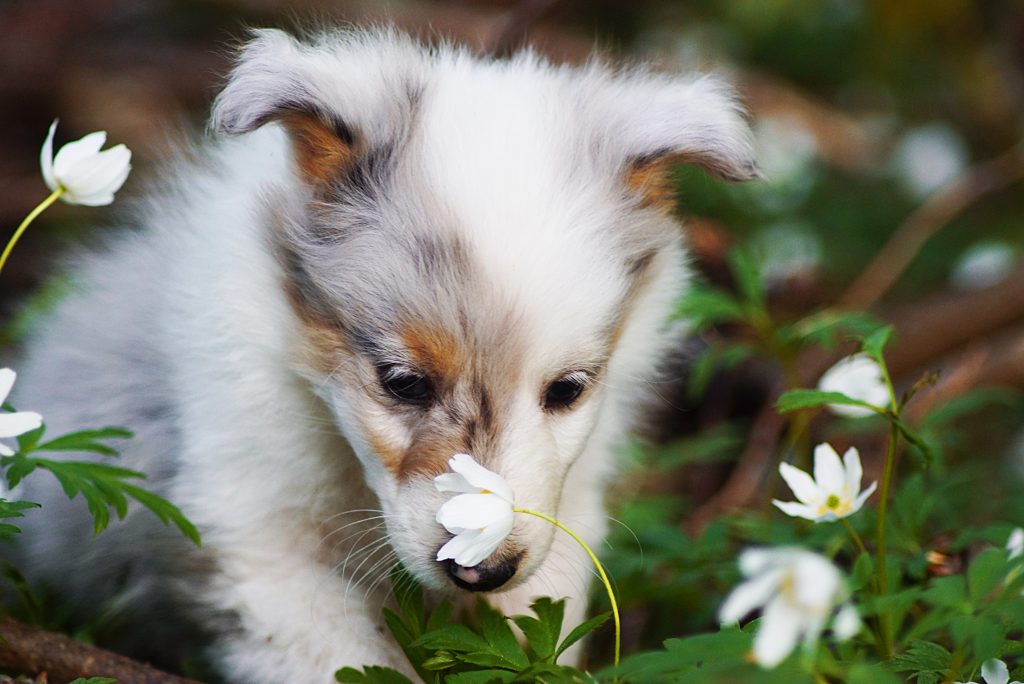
point(406, 386)
point(564, 392)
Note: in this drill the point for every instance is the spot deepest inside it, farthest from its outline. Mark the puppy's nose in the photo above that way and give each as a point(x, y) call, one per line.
point(488, 575)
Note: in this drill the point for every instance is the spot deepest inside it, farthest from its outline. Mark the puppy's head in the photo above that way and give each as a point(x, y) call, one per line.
point(481, 259)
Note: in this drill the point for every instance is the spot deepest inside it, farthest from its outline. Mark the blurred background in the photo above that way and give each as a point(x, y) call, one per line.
point(890, 136)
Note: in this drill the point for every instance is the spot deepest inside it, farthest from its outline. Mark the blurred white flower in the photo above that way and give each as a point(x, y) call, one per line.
point(1015, 544)
point(88, 176)
point(859, 377)
point(798, 590)
point(787, 249)
point(928, 158)
point(994, 671)
point(18, 422)
point(833, 493)
point(982, 265)
point(480, 517)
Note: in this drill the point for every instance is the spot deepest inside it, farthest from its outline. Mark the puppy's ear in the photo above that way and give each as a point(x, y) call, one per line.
point(663, 121)
point(331, 96)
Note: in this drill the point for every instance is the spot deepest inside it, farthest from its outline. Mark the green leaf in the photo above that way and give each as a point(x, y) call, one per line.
point(441, 660)
point(874, 673)
point(458, 638)
point(863, 572)
point(550, 615)
point(915, 439)
point(86, 440)
point(480, 677)
point(439, 617)
point(93, 680)
point(165, 510)
point(580, 631)
point(704, 306)
point(748, 277)
point(874, 344)
point(500, 637)
point(948, 592)
point(985, 573)
point(371, 674)
point(988, 638)
point(28, 440)
point(922, 656)
point(797, 399)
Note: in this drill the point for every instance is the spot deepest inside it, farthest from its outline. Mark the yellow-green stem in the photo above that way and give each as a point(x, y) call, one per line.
point(853, 535)
point(29, 219)
point(884, 624)
point(597, 564)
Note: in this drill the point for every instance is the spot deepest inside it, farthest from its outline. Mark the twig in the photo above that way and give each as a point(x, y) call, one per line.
point(941, 208)
point(32, 650)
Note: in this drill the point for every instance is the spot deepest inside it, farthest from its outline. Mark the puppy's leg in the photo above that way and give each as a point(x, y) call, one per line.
point(296, 620)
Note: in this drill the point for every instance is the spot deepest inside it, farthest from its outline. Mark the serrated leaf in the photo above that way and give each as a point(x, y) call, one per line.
point(371, 674)
point(988, 638)
point(28, 440)
point(922, 656)
point(165, 510)
point(86, 440)
point(457, 638)
point(579, 631)
point(796, 399)
point(440, 616)
point(863, 572)
point(480, 677)
point(500, 637)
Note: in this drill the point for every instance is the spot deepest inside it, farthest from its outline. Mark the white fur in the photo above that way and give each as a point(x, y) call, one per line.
point(185, 333)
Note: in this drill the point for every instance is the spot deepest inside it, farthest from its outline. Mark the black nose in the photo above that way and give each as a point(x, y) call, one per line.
point(488, 575)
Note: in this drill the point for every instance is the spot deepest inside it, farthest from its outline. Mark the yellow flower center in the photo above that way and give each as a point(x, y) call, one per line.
point(832, 501)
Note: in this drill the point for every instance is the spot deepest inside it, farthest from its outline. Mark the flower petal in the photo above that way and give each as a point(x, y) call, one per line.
point(5, 450)
point(778, 634)
point(46, 159)
point(472, 512)
point(453, 482)
point(457, 545)
point(847, 623)
point(73, 152)
point(797, 510)
point(816, 583)
point(803, 486)
point(994, 671)
point(14, 424)
point(7, 378)
point(854, 470)
point(481, 477)
point(749, 596)
point(1015, 544)
point(859, 501)
point(99, 175)
point(829, 474)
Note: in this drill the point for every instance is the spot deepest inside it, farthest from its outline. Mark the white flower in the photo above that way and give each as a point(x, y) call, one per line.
point(88, 176)
point(983, 264)
point(19, 422)
point(1015, 544)
point(994, 671)
point(833, 493)
point(859, 377)
point(480, 517)
point(928, 158)
point(798, 590)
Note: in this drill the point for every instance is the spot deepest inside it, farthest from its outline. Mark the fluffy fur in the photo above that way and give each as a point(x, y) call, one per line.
point(374, 209)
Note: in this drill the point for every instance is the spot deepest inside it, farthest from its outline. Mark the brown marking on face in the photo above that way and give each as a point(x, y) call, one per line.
point(390, 455)
point(322, 154)
point(429, 452)
point(639, 271)
point(435, 351)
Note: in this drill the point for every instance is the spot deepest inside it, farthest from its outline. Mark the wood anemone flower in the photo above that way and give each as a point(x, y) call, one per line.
point(83, 173)
point(481, 515)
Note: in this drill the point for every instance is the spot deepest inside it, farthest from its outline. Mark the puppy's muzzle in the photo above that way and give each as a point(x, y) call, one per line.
point(486, 576)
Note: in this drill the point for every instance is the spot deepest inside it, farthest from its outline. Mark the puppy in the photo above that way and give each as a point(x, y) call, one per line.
point(390, 254)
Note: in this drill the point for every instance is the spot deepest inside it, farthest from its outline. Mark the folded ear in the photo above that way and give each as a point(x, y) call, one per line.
point(334, 97)
point(660, 121)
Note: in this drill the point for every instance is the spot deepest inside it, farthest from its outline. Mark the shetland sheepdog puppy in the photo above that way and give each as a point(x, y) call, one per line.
point(387, 254)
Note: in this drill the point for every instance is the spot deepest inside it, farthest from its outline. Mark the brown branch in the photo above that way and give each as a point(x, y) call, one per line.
point(941, 208)
point(32, 650)
point(940, 324)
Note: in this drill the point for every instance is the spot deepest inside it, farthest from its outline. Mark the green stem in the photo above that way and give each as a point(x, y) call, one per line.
point(853, 535)
point(597, 564)
point(29, 219)
point(885, 627)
